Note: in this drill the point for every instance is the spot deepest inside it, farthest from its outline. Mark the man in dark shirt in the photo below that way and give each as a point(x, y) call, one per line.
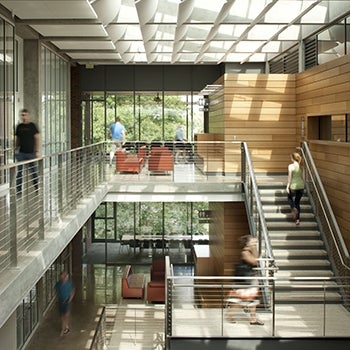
point(27, 147)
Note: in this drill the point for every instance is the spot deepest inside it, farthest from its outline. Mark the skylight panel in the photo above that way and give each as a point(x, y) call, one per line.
point(262, 32)
point(127, 12)
point(248, 46)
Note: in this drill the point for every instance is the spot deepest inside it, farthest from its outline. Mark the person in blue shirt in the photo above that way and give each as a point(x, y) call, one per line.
point(117, 131)
point(65, 293)
point(180, 144)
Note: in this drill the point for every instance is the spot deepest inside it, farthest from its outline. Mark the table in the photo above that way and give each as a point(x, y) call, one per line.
point(154, 239)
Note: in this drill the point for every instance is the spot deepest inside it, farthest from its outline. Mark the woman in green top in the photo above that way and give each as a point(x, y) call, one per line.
point(295, 185)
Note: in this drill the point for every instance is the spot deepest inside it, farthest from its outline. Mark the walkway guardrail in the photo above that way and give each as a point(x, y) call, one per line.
point(36, 194)
point(209, 308)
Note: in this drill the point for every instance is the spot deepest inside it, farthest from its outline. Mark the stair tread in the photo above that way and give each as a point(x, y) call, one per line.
point(284, 216)
point(292, 284)
point(304, 273)
point(298, 253)
point(301, 262)
point(290, 236)
point(303, 224)
point(296, 242)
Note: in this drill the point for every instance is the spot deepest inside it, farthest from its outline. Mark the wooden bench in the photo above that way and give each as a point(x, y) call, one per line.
point(133, 284)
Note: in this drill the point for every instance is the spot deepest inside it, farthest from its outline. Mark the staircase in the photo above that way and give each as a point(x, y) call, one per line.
point(299, 250)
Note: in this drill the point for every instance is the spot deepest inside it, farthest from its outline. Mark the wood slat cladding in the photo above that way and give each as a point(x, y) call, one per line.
point(321, 91)
point(325, 89)
point(229, 224)
point(332, 160)
point(261, 110)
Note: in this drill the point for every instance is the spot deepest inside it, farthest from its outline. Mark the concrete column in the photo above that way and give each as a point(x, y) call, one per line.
point(31, 79)
point(8, 334)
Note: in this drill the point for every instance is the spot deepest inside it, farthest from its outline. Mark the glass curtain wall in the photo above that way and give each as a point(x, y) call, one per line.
point(333, 42)
point(55, 116)
point(113, 220)
point(27, 317)
point(7, 91)
point(147, 116)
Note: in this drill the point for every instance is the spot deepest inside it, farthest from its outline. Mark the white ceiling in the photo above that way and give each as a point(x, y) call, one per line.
point(174, 31)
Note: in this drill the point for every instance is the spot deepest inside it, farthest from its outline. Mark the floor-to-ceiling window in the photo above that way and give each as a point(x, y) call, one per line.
point(113, 220)
point(55, 116)
point(147, 116)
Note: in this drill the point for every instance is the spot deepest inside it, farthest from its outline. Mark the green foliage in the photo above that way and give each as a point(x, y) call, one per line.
point(147, 218)
point(144, 120)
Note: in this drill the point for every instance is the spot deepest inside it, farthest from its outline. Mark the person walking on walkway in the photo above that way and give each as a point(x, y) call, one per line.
point(295, 185)
point(180, 144)
point(117, 131)
point(27, 143)
point(65, 293)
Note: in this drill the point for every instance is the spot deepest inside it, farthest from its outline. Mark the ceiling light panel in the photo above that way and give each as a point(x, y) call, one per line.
point(70, 30)
point(31, 9)
point(84, 45)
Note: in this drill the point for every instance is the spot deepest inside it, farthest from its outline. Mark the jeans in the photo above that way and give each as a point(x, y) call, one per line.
point(294, 198)
point(32, 168)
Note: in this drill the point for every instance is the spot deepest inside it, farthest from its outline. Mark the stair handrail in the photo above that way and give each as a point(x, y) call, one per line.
point(258, 227)
point(327, 212)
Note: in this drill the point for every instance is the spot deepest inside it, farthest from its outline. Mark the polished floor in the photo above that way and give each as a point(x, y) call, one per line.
point(101, 281)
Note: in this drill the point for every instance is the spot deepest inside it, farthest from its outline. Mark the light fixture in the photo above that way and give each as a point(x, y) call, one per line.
point(157, 99)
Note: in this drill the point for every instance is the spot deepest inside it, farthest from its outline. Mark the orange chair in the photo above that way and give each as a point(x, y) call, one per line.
point(128, 163)
point(160, 159)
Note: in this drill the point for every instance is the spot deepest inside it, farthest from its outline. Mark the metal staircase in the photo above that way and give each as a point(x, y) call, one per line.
point(299, 250)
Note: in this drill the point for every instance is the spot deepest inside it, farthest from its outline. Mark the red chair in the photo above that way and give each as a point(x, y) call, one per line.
point(128, 163)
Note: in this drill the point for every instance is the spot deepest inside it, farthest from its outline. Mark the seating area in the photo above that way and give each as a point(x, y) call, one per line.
point(130, 162)
point(133, 284)
point(156, 286)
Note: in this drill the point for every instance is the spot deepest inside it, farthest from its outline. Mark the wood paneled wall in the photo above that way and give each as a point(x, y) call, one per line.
point(332, 160)
point(261, 110)
point(325, 90)
point(229, 224)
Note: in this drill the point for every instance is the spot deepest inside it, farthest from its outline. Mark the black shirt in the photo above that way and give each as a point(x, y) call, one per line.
point(25, 134)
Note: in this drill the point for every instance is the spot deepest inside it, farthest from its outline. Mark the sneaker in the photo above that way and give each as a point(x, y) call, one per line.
point(257, 322)
point(297, 222)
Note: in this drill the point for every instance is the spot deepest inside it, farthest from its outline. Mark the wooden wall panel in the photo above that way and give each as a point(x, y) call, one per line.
point(324, 90)
point(332, 160)
point(261, 110)
point(229, 224)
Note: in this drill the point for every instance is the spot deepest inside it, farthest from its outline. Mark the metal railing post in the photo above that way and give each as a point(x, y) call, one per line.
point(13, 217)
